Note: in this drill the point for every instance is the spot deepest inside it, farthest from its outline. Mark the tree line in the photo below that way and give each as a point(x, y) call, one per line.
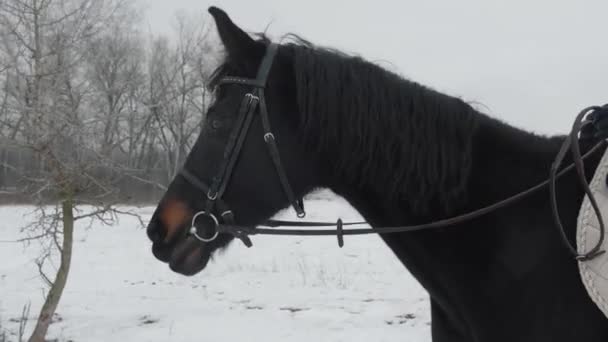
point(94, 112)
point(90, 98)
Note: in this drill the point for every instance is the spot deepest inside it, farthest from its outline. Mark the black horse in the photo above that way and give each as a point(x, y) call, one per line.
point(400, 153)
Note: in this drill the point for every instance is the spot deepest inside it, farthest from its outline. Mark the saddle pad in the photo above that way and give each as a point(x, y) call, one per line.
point(594, 273)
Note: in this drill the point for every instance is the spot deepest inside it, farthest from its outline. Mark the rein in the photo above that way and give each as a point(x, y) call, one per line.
point(340, 232)
point(224, 221)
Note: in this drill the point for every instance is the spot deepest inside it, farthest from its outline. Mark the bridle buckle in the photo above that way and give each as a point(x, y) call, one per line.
point(252, 98)
point(268, 137)
point(212, 195)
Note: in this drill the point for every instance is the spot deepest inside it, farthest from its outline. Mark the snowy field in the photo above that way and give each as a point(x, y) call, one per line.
point(282, 289)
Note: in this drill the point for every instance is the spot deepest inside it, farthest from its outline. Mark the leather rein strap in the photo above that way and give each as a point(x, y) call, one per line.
point(339, 232)
point(571, 142)
point(256, 99)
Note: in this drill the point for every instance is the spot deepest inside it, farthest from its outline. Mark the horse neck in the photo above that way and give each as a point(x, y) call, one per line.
point(505, 160)
point(487, 255)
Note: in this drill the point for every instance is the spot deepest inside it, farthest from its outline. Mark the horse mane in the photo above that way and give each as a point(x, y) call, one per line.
point(390, 135)
point(376, 129)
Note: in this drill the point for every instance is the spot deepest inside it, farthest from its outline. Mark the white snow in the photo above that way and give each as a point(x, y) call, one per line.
point(281, 289)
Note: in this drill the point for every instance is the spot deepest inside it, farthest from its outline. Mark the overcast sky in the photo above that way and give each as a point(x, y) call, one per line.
point(532, 63)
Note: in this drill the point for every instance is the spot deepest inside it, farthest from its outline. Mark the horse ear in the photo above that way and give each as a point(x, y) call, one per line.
point(236, 41)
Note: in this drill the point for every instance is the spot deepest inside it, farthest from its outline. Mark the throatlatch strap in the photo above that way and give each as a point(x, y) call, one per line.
point(276, 157)
point(269, 138)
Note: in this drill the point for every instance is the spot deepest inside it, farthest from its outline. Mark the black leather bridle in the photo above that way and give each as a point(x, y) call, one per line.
point(252, 101)
point(225, 222)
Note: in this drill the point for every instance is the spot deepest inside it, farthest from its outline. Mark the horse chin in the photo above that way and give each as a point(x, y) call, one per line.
point(189, 257)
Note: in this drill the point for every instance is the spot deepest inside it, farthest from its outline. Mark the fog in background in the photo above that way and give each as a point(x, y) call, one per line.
point(533, 64)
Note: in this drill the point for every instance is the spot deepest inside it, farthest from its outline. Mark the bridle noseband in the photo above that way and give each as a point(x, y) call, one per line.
point(255, 99)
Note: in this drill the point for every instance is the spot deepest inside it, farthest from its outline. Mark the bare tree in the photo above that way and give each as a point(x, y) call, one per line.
point(47, 98)
point(85, 103)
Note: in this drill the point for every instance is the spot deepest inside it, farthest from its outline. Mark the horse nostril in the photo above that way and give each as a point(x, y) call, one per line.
point(173, 216)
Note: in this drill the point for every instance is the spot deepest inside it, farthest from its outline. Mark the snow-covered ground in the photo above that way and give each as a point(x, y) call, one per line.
point(282, 289)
